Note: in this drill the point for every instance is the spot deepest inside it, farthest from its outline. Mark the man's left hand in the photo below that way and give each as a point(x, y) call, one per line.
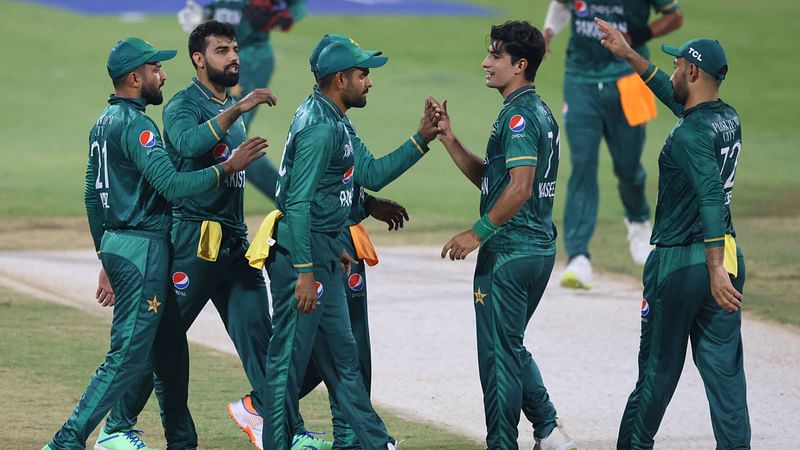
point(388, 211)
point(461, 245)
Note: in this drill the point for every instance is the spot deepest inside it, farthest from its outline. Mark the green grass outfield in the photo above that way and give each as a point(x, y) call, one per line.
point(49, 352)
point(56, 85)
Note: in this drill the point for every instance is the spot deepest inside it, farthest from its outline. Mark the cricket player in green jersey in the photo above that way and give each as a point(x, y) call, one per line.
point(603, 98)
point(315, 195)
point(202, 126)
point(693, 281)
point(516, 235)
point(129, 183)
point(372, 174)
point(254, 20)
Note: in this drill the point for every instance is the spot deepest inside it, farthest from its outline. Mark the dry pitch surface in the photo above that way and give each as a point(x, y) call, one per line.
point(423, 345)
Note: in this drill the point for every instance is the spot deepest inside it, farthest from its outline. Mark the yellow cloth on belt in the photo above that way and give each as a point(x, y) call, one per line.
point(364, 248)
point(210, 240)
point(638, 102)
point(258, 251)
point(730, 262)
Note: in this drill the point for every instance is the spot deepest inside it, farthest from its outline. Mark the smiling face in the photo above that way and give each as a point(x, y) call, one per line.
point(499, 68)
point(220, 60)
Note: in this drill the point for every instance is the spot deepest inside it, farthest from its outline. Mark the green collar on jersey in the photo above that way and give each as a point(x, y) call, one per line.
point(523, 90)
point(207, 92)
point(324, 98)
point(137, 103)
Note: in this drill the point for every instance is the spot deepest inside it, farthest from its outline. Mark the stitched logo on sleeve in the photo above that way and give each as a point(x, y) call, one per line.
point(517, 123)
point(147, 139)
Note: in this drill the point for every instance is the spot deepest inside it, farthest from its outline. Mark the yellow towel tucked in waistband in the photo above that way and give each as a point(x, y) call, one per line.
point(638, 102)
point(210, 239)
point(258, 251)
point(364, 248)
point(730, 262)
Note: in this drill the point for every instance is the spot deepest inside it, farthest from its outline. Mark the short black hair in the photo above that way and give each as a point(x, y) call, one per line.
point(521, 40)
point(198, 39)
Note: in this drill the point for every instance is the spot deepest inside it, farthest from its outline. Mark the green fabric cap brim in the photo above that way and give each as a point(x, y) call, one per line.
point(670, 50)
point(162, 55)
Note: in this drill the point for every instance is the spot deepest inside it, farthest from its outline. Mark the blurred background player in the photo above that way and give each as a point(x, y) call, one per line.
point(604, 98)
point(254, 20)
point(694, 280)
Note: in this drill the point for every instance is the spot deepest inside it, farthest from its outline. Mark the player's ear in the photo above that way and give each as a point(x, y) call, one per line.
point(522, 64)
point(199, 60)
point(694, 72)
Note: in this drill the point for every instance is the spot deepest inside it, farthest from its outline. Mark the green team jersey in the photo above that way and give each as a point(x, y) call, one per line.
point(587, 59)
point(194, 140)
point(375, 174)
point(234, 12)
point(524, 134)
point(697, 169)
point(315, 184)
point(130, 179)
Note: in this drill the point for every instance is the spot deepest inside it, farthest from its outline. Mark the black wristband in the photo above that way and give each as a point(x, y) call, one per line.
point(640, 35)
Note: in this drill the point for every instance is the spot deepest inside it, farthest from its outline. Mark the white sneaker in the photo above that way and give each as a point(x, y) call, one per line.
point(557, 440)
point(639, 239)
point(247, 419)
point(578, 274)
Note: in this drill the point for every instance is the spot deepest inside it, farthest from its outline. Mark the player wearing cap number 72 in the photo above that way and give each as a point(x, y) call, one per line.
point(693, 280)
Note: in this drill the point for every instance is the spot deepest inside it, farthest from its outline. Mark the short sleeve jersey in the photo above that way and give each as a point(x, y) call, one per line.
point(524, 134)
point(587, 59)
point(697, 168)
point(194, 140)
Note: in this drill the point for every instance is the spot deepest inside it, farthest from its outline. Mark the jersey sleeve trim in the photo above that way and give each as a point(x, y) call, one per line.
point(419, 147)
point(216, 171)
point(211, 125)
point(301, 266)
point(668, 8)
point(654, 69)
point(522, 158)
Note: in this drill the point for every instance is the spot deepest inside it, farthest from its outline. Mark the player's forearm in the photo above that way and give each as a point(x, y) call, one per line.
point(174, 185)
point(298, 220)
point(666, 24)
point(229, 116)
point(558, 16)
point(517, 192)
point(715, 256)
point(375, 174)
point(469, 163)
point(192, 140)
point(660, 84)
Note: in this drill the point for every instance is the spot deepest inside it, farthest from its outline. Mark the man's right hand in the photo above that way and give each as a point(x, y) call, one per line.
point(613, 39)
point(257, 97)
point(443, 125)
point(243, 155)
point(306, 292)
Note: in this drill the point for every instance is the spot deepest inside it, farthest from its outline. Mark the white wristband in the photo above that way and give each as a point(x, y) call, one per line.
point(558, 16)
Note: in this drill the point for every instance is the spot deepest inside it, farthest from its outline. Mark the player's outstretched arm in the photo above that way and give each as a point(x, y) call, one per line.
point(469, 163)
point(615, 42)
point(260, 96)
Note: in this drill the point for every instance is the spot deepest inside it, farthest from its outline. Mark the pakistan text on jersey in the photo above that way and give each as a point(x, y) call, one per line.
point(235, 180)
point(589, 28)
point(346, 198)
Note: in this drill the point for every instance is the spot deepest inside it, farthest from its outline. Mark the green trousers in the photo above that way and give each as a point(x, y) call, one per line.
point(324, 337)
point(678, 309)
point(356, 288)
point(257, 65)
point(239, 294)
point(508, 288)
point(137, 265)
point(593, 111)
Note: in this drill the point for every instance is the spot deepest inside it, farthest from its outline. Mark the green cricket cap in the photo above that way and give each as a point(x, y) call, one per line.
point(130, 53)
point(342, 54)
point(706, 54)
point(324, 42)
